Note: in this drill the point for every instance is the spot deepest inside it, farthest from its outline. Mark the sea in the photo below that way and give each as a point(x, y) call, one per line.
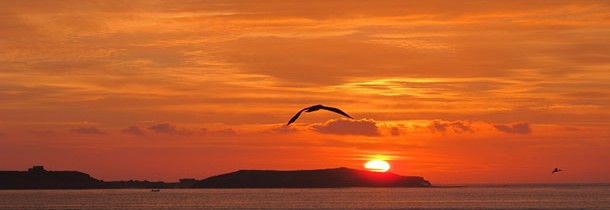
point(524, 196)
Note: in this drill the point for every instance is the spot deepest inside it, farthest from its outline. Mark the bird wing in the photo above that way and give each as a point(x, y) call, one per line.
point(333, 109)
point(295, 116)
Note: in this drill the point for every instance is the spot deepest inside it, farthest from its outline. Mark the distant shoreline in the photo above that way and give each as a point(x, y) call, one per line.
point(39, 178)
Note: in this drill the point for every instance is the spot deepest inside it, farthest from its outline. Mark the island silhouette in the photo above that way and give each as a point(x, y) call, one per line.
point(320, 178)
point(39, 178)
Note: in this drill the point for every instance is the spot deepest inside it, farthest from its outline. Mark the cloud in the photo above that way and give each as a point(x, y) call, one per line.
point(168, 128)
point(453, 126)
point(395, 131)
point(87, 131)
point(516, 128)
point(282, 129)
point(365, 127)
point(134, 130)
point(164, 128)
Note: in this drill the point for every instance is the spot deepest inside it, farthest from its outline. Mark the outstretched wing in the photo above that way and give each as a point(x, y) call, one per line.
point(333, 109)
point(295, 116)
point(556, 170)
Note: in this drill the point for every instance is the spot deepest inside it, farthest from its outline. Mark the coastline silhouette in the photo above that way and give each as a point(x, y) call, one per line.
point(316, 108)
point(39, 178)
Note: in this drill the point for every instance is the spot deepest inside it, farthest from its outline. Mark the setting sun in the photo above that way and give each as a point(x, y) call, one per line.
point(377, 166)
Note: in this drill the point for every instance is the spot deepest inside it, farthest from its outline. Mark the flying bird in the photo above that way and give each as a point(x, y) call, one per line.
point(556, 170)
point(316, 108)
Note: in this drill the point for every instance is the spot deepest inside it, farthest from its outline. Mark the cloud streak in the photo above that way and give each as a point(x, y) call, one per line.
point(514, 128)
point(134, 130)
point(364, 127)
point(87, 131)
point(167, 128)
point(458, 127)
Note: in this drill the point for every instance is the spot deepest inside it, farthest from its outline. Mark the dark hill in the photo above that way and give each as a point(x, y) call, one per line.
point(321, 178)
point(38, 178)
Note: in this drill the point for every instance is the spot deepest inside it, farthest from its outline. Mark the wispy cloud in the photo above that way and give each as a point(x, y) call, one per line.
point(281, 129)
point(453, 126)
point(395, 131)
point(133, 130)
point(365, 127)
point(167, 128)
point(514, 128)
point(87, 131)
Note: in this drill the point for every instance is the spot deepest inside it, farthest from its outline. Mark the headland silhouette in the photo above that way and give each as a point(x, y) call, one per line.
point(39, 178)
point(320, 178)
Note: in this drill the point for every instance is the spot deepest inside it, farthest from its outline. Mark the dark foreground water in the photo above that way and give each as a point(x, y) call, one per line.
point(470, 197)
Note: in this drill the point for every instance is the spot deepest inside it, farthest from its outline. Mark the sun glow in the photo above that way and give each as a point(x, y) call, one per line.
point(377, 165)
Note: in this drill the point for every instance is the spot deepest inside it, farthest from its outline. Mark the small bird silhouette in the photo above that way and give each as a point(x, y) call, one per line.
point(316, 108)
point(556, 170)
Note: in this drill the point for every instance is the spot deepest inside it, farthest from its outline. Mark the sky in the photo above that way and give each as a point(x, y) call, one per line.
point(454, 91)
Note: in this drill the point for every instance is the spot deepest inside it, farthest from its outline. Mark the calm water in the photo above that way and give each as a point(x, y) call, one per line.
point(471, 197)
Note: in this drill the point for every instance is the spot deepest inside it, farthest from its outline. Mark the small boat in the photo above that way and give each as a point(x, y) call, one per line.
point(155, 190)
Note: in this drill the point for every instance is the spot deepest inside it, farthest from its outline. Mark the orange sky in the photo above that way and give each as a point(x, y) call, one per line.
point(455, 91)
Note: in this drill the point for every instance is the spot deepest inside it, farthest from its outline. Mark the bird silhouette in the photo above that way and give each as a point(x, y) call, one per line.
point(556, 170)
point(316, 108)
